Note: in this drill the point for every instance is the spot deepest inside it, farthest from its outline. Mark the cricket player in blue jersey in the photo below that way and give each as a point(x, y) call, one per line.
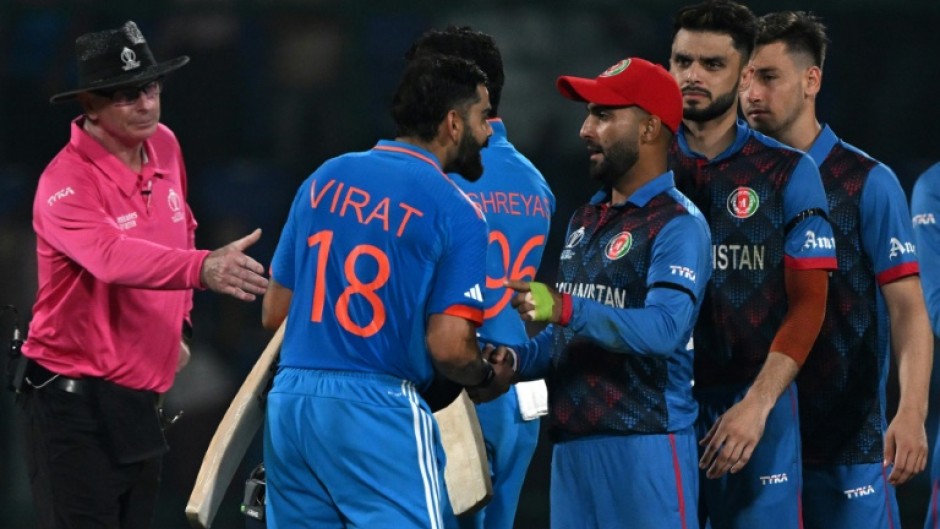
point(852, 459)
point(925, 207)
point(630, 283)
point(518, 205)
point(772, 250)
point(384, 253)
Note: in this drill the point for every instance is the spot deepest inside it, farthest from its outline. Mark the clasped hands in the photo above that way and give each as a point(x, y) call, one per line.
point(504, 368)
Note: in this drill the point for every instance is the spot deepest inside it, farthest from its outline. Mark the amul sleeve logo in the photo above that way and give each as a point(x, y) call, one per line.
point(743, 202)
point(619, 246)
point(900, 248)
point(616, 69)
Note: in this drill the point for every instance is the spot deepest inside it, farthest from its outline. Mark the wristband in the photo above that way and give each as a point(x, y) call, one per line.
point(566, 310)
point(542, 301)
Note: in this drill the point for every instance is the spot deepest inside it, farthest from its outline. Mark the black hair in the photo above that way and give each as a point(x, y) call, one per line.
point(464, 42)
point(800, 31)
point(430, 87)
point(721, 16)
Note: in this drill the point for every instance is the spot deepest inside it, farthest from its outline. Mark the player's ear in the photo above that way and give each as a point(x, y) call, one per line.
point(452, 126)
point(88, 105)
point(812, 80)
point(650, 128)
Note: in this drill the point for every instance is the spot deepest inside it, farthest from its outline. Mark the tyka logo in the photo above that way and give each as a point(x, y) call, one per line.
point(859, 492)
point(773, 479)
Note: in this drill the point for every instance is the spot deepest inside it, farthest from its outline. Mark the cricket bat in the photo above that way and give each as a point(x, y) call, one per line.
point(467, 473)
point(241, 422)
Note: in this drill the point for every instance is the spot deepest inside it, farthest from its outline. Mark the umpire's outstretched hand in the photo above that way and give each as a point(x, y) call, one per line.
point(229, 271)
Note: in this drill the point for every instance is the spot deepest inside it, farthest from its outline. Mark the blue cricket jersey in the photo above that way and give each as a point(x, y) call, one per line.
point(925, 208)
point(767, 210)
point(636, 272)
point(375, 243)
point(518, 206)
point(842, 385)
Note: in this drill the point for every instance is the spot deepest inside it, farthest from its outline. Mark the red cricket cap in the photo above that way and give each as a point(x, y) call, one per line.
point(630, 82)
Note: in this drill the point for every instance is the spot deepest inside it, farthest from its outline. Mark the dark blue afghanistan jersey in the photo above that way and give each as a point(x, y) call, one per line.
point(766, 208)
point(605, 376)
point(842, 384)
point(374, 244)
point(925, 208)
point(518, 206)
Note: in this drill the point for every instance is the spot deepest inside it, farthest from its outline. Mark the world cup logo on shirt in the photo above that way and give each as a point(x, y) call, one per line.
point(743, 202)
point(575, 238)
point(619, 246)
point(176, 205)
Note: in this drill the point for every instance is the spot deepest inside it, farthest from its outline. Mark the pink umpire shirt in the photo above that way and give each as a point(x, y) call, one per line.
point(117, 264)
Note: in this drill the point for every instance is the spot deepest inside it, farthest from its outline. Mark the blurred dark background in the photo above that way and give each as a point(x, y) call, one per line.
point(275, 87)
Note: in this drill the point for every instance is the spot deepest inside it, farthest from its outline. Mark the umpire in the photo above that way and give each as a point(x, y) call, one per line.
point(117, 265)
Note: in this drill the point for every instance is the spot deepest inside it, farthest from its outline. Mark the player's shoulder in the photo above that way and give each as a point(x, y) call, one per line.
point(930, 178)
point(689, 213)
point(879, 175)
point(772, 145)
point(68, 167)
point(505, 167)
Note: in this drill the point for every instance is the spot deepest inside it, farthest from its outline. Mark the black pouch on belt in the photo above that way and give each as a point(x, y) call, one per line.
point(131, 422)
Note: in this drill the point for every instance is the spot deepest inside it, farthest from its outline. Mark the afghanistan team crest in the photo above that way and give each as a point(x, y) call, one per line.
point(743, 202)
point(619, 245)
point(617, 68)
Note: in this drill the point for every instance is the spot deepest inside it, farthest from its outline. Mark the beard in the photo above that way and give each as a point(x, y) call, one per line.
point(618, 159)
point(718, 107)
point(468, 163)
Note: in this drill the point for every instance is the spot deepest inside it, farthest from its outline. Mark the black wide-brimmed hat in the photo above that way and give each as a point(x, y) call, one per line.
point(115, 57)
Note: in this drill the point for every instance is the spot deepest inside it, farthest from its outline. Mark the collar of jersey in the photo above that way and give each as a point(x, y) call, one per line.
point(823, 145)
point(409, 150)
point(741, 134)
point(499, 131)
point(109, 164)
point(641, 196)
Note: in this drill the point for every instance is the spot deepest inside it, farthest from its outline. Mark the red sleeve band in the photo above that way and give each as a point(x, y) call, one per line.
point(566, 310)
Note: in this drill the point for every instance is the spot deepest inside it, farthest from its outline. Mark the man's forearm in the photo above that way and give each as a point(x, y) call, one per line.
point(773, 379)
point(911, 341)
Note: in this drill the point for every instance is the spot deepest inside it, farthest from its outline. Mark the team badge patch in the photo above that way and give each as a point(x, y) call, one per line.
point(619, 245)
point(616, 69)
point(575, 238)
point(176, 205)
point(743, 202)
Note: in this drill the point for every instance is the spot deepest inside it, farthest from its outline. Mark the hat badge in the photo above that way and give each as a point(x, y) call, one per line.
point(129, 58)
point(616, 69)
